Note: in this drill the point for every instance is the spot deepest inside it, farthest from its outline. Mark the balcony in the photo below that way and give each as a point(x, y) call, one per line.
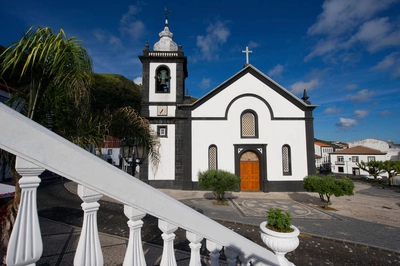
point(38, 149)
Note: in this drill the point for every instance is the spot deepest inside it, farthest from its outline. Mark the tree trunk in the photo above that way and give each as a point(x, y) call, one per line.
point(7, 222)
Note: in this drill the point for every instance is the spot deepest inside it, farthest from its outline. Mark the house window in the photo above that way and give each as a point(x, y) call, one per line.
point(109, 152)
point(212, 157)
point(340, 159)
point(162, 131)
point(162, 79)
point(371, 158)
point(354, 159)
point(249, 124)
point(286, 160)
point(341, 169)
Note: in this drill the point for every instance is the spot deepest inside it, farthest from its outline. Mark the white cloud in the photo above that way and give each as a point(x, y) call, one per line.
point(342, 16)
point(276, 71)
point(385, 113)
point(361, 96)
point(253, 44)
point(300, 86)
point(138, 80)
point(115, 42)
point(332, 110)
point(345, 23)
point(205, 83)
point(361, 113)
point(391, 62)
point(346, 123)
point(351, 86)
point(130, 25)
point(217, 34)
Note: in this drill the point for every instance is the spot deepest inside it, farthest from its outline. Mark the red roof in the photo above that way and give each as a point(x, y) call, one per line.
point(359, 150)
point(111, 142)
point(321, 144)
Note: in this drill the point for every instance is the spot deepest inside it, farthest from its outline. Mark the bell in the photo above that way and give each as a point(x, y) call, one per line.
point(163, 81)
point(163, 77)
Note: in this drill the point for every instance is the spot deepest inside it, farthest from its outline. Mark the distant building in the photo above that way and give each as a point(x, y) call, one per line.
point(345, 161)
point(392, 150)
point(322, 150)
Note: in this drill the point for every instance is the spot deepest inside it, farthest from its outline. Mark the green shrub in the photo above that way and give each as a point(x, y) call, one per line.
point(219, 181)
point(328, 186)
point(279, 221)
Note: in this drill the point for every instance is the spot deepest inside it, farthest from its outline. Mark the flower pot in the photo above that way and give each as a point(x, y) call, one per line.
point(280, 243)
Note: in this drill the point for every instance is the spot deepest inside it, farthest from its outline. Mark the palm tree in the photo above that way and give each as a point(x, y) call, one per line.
point(57, 95)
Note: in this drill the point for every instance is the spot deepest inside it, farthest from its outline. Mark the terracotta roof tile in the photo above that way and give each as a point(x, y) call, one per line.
point(321, 144)
point(359, 150)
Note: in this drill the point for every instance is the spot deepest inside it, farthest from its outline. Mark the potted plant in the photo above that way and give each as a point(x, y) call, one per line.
point(279, 234)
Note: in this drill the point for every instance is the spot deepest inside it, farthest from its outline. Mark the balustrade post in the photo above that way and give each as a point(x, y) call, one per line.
point(195, 246)
point(88, 252)
point(231, 256)
point(168, 255)
point(134, 252)
point(214, 250)
point(25, 246)
point(244, 260)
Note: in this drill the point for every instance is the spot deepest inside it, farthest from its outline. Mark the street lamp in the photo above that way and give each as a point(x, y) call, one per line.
point(133, 152)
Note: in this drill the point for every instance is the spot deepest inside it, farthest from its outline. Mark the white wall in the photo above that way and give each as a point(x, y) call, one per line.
point(247, 84)
point(166, 168)
point(225, 133)
point(348, 164)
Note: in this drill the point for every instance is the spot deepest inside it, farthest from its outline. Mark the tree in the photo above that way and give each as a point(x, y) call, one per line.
point(374, 168)
point(55, 76)
point(392, 168)
point(328, 186)
point(219, 181)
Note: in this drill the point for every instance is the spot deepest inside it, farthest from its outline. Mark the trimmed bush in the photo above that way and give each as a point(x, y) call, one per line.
point(328, 186)
point(219, 181)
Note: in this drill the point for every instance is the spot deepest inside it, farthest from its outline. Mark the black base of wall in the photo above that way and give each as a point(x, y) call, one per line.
point(269, 186)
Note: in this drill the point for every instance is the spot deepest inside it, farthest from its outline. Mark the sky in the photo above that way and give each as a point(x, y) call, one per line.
point(345, 53)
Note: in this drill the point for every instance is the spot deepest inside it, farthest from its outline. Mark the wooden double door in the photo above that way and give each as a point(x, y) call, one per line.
point(249, 171)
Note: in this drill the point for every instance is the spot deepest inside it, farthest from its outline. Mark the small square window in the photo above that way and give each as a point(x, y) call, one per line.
point(354, 159)
point(162, 131)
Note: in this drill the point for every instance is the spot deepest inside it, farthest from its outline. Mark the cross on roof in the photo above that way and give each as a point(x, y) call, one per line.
point(247, 51)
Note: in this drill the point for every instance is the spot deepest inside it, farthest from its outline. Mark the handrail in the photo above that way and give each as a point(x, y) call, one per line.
point(36, 144)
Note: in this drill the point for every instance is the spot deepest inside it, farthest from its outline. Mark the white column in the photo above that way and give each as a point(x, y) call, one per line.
point(168, 255)
point(88, 252)
point(134, 252)
point(214, 250)
point(25, 246)
point(231, 256)
point(195, 246)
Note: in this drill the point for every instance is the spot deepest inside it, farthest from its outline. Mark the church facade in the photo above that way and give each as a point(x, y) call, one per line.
point(249, 125)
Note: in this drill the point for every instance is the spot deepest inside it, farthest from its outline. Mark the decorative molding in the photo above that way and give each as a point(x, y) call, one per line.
point(240, 149)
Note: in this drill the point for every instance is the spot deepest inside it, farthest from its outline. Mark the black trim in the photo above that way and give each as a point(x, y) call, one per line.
point(159, 128)
point(239, 149)
point(288, 173)
point(255, 124)
point(216, 156)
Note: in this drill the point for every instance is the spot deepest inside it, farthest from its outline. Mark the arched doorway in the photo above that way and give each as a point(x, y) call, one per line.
point(249, 171)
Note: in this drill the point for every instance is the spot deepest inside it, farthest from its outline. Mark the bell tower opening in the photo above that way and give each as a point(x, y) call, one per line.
point(163, 77)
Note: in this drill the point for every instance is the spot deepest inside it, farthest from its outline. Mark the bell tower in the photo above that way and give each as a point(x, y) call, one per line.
point(163, 79)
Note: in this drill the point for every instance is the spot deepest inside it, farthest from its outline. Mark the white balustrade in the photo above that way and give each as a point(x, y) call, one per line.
point(134, 253)
point(195, 246)
point(231, 256)
point(214, 250)
point(88, 252)
point(25, 246)
point(168, 255)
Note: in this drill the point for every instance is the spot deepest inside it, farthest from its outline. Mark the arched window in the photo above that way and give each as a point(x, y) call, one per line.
point(163, 78)
point(286, 160)
point(212, 157)
point(249, 124)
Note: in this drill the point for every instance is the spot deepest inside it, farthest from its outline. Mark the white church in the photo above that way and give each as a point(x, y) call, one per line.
point(248, 125)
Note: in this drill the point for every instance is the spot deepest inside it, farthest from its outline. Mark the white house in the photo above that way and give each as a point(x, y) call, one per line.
point(345, 161)
point(248, 125)
point(322, 150)
point(392, 150)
